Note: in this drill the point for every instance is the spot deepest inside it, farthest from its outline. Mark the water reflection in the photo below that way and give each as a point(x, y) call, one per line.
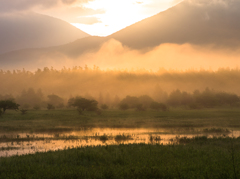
point(24, 143)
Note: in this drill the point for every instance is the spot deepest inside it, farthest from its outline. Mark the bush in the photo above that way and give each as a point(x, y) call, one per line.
point(8, 104)
point(123, 106)
point(158, 106)
point(83, 104)
point(104, 106)
point(50, 106)
point(23, 111)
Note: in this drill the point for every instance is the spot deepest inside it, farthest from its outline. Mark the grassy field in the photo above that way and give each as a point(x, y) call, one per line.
point(198, 157)
point(70, 120)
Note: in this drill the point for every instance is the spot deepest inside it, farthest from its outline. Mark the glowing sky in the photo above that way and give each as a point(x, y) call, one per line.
point(118, 14)
point(96, 17)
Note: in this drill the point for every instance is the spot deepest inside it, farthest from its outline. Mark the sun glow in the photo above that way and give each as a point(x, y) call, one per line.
point(120, 14)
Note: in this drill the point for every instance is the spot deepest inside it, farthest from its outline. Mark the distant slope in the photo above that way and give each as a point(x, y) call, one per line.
point(41, 57)
point(33, 30)
point(187, 22)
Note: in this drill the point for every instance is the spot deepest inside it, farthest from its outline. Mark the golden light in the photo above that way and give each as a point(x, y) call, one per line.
point(120, 14)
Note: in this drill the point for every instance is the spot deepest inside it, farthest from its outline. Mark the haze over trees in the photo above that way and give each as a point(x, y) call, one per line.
point(55, 100)
point(30, 97)
point(110, 86)
point(141, 103)
point(163, 73)
point(121, 89)
point(205, 99)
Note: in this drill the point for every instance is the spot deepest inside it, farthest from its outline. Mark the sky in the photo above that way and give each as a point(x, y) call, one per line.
point(95, 17)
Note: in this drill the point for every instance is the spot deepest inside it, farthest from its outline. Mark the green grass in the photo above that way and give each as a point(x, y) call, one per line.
point(68, 120)
point(199, 158)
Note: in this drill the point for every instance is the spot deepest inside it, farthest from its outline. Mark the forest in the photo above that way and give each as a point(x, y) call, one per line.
point(75, 123)
point(122, 89)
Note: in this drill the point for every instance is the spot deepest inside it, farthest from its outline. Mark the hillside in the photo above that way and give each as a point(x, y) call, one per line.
point(31, 30)
point(187, 22)
point(198, 24)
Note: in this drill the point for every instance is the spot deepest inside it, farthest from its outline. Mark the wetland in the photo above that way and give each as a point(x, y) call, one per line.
point(53, 130)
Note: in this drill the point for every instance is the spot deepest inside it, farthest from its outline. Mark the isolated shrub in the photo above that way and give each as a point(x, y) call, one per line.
point(50, 106)
point(104, 106)
point(83, 104)
point(23, 111)
point(8, 104)
point(123, 106)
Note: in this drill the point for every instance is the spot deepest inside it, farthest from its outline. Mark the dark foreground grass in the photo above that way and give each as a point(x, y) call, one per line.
point(199, 158)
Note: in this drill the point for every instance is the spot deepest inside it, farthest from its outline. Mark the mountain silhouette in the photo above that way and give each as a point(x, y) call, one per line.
point(31, 30)
point(197, 22)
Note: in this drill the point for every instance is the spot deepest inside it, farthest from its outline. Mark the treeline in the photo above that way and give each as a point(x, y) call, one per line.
point(206, 99)
point(35, 99)
point(86, 81)
point(196, 100)
point(209, 98)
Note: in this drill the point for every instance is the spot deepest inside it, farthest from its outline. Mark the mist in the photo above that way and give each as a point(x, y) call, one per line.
point(114, 55)
point(111, 86)
point(115, 70)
